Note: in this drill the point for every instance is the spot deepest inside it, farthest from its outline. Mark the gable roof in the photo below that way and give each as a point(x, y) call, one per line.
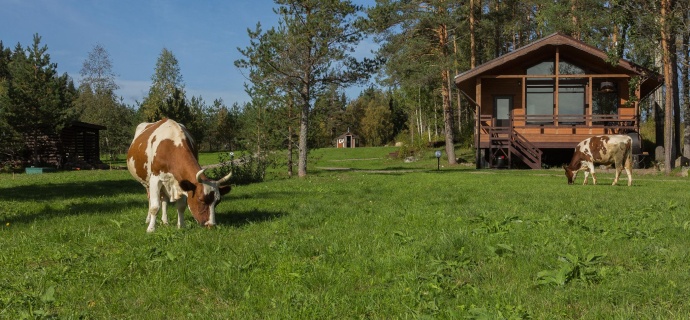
point(570, 47)
point(348, 133)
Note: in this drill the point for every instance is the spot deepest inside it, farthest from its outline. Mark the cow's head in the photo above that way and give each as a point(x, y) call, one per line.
point(570, 174)
point(203, 197)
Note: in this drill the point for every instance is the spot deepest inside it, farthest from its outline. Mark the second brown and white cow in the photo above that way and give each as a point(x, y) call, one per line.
point(605, 149)
point(163, 158)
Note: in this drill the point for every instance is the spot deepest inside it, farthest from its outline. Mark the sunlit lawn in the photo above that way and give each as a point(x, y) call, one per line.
point(383, 239)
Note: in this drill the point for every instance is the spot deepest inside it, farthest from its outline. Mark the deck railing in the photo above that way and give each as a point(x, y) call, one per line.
point(613, 123)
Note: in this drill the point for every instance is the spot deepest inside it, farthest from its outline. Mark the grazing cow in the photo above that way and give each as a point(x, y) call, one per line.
point(163, 158)
point(606, 150)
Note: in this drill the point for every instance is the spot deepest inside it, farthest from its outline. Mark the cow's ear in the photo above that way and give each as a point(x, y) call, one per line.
point(187, 185)
point(224, 189)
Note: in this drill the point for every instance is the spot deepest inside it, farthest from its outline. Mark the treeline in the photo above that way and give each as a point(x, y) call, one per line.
point(297, 73)
point(35, 101)
point(423, 44)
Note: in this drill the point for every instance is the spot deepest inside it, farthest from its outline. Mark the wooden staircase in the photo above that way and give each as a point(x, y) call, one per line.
point(506, 143)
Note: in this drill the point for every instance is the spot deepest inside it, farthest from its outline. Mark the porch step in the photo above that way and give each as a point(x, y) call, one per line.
point(506, 143)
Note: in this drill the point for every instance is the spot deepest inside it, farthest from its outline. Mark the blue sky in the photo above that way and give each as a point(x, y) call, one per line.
point(203, 36)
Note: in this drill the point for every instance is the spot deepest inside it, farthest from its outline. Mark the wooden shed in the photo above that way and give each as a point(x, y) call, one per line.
point(347, 140)
point(548, 96)
point(76, 146)
point(80, 145)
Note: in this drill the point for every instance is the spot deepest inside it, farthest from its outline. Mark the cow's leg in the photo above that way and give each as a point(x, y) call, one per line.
point(164, 210)
point(154, 205)
point(165, 199)
point(148, 195)
point(590, 166)
point(181, 206)
point(618, 174)
point(586, 176)
point(628, 167)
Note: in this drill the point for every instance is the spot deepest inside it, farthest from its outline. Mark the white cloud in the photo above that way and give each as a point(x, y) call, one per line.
point(132, 91)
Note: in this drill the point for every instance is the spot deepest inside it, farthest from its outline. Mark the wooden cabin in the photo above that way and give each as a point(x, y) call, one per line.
point(347, 140)
point(540, 100)
point(76, 146)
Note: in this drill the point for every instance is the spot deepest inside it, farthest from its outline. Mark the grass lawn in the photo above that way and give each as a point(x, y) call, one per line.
point(363, 236)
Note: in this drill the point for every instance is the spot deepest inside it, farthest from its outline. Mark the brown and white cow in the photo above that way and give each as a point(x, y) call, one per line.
point(163, 158)
point(606, 150)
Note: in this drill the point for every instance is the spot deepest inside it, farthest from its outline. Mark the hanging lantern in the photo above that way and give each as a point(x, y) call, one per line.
point(607, 87)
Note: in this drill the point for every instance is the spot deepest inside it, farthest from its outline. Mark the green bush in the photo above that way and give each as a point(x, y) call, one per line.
point(411, 146)
point(246, 168)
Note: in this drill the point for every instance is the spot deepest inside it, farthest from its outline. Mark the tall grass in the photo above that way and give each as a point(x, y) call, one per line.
point(384, 240)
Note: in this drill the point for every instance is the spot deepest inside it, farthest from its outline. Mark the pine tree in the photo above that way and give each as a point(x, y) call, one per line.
point(305, 54)
point(38, 102)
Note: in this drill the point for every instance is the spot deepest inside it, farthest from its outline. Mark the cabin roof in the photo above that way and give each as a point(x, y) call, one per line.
point(86, 125)
point(348, 133)
point(571, 50)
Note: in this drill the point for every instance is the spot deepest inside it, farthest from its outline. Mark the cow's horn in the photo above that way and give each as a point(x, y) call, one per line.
point(225, 179)
point(198, 176)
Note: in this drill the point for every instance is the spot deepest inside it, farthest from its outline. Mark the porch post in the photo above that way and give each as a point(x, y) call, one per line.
point(590, 99)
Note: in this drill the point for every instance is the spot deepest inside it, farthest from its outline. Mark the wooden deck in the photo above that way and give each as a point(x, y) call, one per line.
point(526, 137)
point(554, 131)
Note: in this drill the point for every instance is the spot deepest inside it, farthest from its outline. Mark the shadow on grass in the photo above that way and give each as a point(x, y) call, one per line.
point(263, 195)
point(101, 207)
point(51, 191)
point(239, 219)
point(449, 170)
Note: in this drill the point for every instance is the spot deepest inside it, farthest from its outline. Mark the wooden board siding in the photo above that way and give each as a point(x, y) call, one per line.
point(500, 87)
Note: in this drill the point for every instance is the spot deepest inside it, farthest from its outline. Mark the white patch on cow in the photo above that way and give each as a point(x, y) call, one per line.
point(170, 186)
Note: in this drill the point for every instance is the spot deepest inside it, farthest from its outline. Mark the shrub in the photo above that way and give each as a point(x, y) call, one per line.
point(246, 168)
point(411, 146)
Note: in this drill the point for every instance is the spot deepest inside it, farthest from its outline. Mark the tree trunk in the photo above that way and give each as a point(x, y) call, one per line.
point(473, 48)
point(303, 125)
point(676, 98)
point(685, 87)
point(290, 135)
point(498, 27)
point(666, 39)
point(448, 119)
point(445, 93)
point(576, 27)
point(455, 52)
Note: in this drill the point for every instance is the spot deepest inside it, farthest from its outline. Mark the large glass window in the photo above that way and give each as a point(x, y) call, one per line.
point(604, 102)
point(539, 99)
point(539, 95)
point(571, 100)
point(565, 67)
point(544, 67)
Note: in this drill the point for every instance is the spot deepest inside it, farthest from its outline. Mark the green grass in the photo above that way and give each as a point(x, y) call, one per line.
point(383, 240)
